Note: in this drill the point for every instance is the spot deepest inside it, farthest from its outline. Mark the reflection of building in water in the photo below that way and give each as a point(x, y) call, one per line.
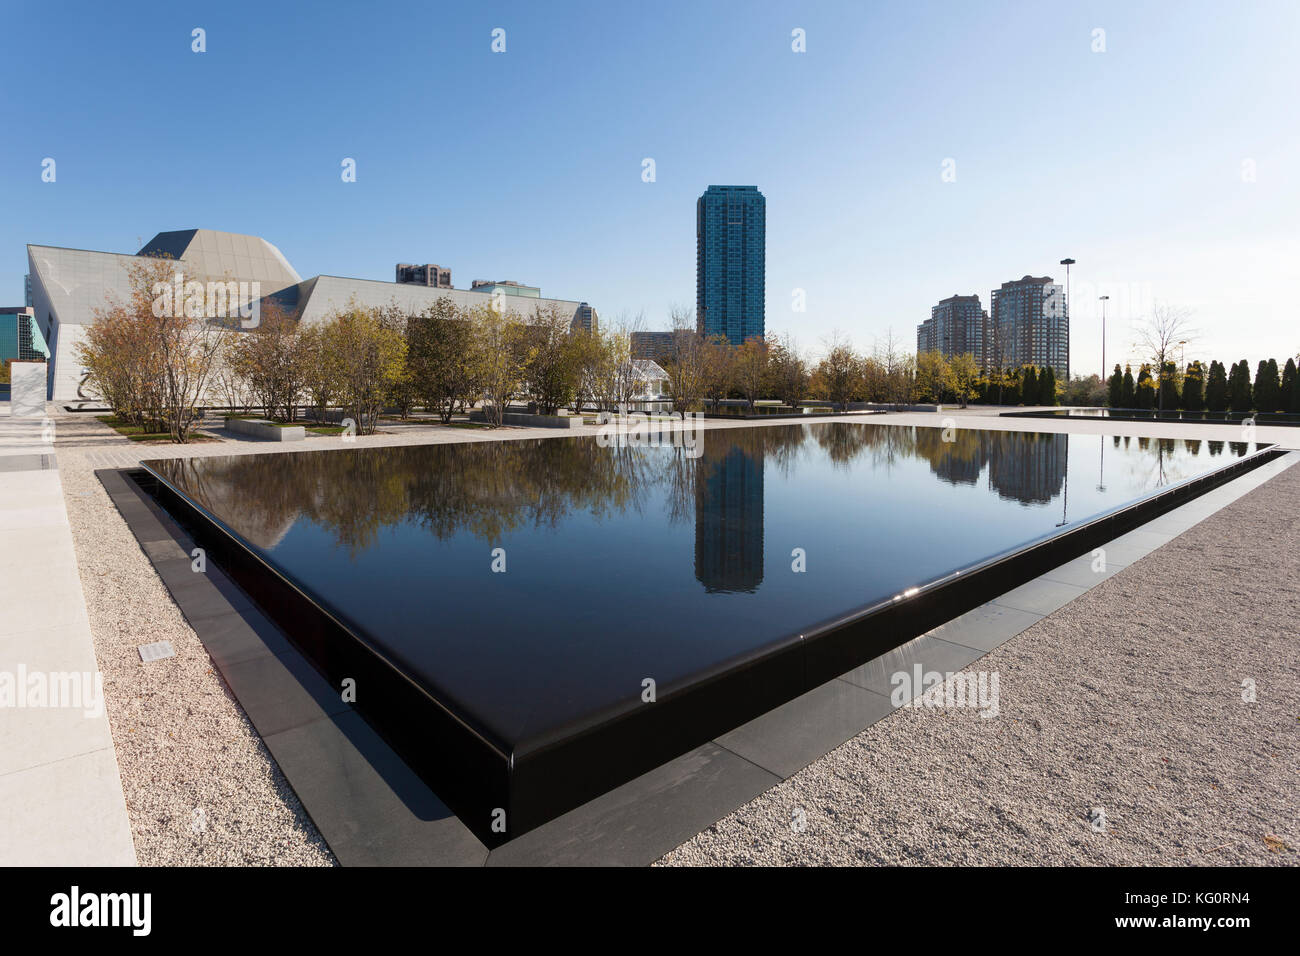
point(729, 522)
point(1029, 467)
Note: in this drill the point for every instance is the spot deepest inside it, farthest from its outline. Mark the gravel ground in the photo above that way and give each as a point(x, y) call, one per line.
point(200, 786)
point(1127, 700)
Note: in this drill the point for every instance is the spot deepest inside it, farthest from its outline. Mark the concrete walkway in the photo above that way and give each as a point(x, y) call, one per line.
point(61, 798)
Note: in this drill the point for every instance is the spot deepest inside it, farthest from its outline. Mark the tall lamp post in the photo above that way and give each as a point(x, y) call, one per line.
point(1067, 263)
point(1104, 300)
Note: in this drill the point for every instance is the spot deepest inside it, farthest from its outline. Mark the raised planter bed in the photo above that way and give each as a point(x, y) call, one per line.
point(261, 428)
point(531, 421)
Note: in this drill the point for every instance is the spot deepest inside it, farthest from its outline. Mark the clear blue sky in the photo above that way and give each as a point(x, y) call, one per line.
point(527, 165)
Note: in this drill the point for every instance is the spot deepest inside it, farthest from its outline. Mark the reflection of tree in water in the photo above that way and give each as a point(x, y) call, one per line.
point(494, 487)
point(844, 442)
point(485, 488)
point(503, 486)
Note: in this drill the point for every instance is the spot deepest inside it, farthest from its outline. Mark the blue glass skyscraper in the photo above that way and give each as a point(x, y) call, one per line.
point(730, 242)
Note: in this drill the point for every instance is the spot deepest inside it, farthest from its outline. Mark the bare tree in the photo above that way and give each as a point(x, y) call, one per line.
point(898, 366)
point(719, 369)
point(686, 362)
point(622, 379)
point(1158, 335)
point(998, 356)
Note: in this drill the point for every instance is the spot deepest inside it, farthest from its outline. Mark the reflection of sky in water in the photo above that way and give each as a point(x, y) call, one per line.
point(691, 567)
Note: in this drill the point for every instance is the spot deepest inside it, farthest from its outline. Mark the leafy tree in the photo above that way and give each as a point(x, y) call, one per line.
point(1085, 391)
point(789, 371)
point(271, 361)
point(553, 368)
point(1290, 398)
point(719, 369)
point(1011, 386)
point(1169, 387)
point(963, 374)
point(1266, 390)
point(1240, 398)
point(931, 376)
point(322, 368)
point(1029, 394)
point(590, 357)
point(503, 354)
point(1193, 388)
point(1216, 388)
point(1115, 388)
point(120, 353)
point(1047, 387)
point(372, 355)
point(150, 358)
point(1145, 395)
point(840, 373)
point(752, 368)
point(441, 358)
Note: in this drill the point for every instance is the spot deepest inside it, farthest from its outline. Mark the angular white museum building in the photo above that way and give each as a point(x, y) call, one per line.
point(67, 286)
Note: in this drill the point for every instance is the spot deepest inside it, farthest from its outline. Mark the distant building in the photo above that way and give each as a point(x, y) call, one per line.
point(1029, 324)
point(956, 325)
point(506, 288)
point(68, 285)
point(730, 259)
point(433, 276)
point(586, 319)
point(651, 381)
point(652, 345)
point(20, 336)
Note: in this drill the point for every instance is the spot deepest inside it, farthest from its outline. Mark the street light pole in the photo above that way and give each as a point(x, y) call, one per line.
point(1104, 299)
point(1067, 263)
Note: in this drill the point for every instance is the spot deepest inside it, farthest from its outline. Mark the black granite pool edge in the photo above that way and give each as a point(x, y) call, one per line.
point(467, 771)
point(603, 757)
point(835, 647)
point(474, 777)
point(1065, 416)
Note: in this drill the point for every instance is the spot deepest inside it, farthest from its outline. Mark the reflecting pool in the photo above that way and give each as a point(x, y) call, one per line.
point(533, 584)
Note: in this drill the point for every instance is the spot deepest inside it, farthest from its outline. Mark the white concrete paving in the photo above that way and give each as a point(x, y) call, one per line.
point(61, 800)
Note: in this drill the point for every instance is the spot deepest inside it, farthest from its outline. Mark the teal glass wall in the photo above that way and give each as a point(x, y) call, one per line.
point(731, 233)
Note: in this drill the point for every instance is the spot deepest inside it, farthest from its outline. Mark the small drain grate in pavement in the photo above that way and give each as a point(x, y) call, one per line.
point(156, 651)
